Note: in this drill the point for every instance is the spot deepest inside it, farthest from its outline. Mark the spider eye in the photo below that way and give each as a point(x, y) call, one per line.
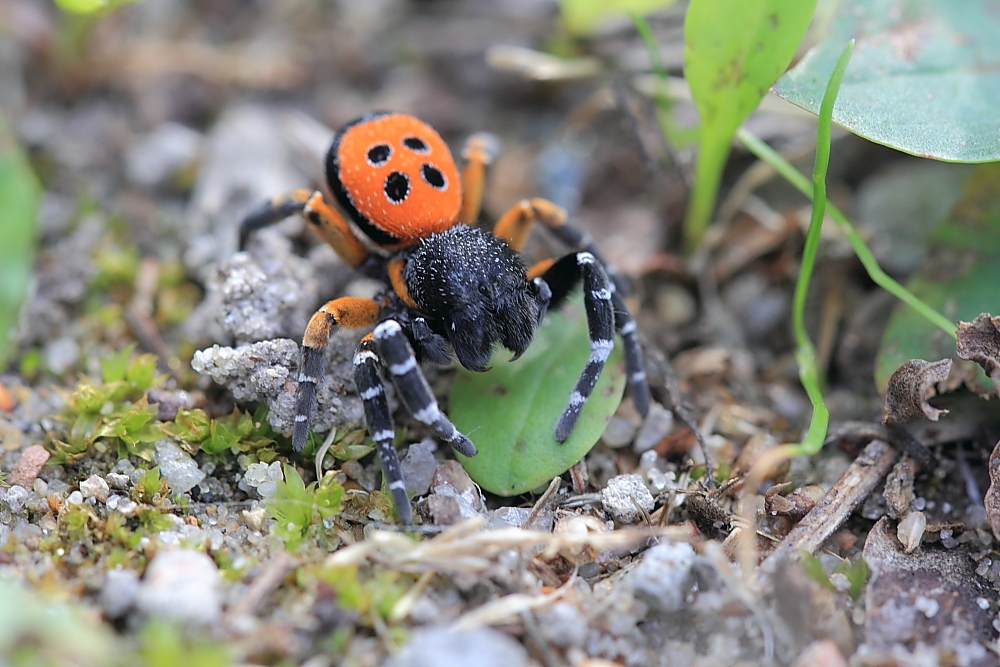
point(377, 155)
point(397, 187)
point(416, 144)
point(433, 176)
point(484, 289)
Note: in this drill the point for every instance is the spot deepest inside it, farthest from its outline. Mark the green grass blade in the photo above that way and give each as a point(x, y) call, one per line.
point(805, 352)
point(767, 154)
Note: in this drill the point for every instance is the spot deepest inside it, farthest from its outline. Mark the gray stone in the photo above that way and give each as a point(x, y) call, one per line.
point(658, 423)
point(176, 466)
point(119, 593)
point(183, 586)
point(419, 465)
point(440, 647)
point(154, 160)
point(268, 372)
point(624, 496)
point(95, 487)
point(563, 625)
point(618, 433)
point(661, 578)
point(61, 354)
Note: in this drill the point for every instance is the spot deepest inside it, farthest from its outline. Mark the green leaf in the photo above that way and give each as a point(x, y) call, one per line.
point(115, 365)
point(924, 79)
point(510, 412)
point(734, 50)
point(582, 17)
point(959, 277)
point(19, 192)
point(89, 6)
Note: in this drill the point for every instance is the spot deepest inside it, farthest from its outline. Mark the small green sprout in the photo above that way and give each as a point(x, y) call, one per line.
point(300, 510)
point(151, 486)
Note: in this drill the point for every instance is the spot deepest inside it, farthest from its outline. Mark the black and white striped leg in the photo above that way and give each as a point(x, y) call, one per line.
point(597, 299)
point(412, 387)
point(635, 366)
point(380, 426)
point(305, 396)
point(575, 238)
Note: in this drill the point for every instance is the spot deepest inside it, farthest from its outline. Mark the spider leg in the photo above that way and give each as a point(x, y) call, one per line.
point(562, 276)
point(325, 221)
point(635, 367)
point(380, 426)
point(478, 153)
point(345, 312)
point(412, 387)
point(514, 226)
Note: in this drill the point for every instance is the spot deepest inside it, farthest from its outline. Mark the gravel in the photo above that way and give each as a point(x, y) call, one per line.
point(624, 496)
point(441, 647)
point(661, 578)
point(182, 585)
point(176, 466)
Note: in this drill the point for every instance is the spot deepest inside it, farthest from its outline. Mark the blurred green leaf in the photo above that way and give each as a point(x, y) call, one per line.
point(582, 17)
point(734, 50)
point(19, 192)
point(959, 278)
point(89, 6)
point(510, 412)
point(924, 77)
point(38, 631)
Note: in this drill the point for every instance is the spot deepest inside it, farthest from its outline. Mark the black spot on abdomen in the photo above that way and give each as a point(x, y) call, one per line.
point(397, 186)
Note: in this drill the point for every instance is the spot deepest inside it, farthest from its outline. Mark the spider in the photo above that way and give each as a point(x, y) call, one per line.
point(453, 289)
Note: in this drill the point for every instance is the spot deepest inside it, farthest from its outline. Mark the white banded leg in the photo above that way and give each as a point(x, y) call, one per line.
point(412, 387)
point(597, 299)
point(380, 426)
point(635, 366)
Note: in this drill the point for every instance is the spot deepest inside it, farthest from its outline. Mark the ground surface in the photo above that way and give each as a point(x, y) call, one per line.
point(151, 492)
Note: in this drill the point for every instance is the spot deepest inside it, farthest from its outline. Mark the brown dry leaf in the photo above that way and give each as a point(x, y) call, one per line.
point(910, 387)
point(992, 499)
point(979, 341)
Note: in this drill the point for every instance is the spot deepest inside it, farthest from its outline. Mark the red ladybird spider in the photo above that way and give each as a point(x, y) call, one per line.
point(453, 289)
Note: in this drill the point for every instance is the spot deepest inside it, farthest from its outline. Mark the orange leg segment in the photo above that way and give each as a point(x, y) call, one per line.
point(328, 223)
point(347, 311)
point(514, 225)
point(478, 153)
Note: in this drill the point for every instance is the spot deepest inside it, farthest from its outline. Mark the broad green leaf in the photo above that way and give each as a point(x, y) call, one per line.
point(960, 278)
point(510, 412)
point(19, 192)
point(582, 17)
point(924, 78)
point(734, 50)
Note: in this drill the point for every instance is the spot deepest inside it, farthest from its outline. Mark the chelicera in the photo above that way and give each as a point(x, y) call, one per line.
point(453, 289)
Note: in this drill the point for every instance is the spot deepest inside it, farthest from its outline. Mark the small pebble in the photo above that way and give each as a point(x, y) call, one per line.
point(95, 487)
point(182, 585)
point(14, 497)
point(177, 467)
point(28, 466)
point(118, 481)
point(440, 647)
point(418, 466)
point(622, 495)
point(618, 433)
point(153, 160)
point(125, 506)
point(75, 498)
point(61, 354)
point(658, 424)
point(661, 578)
point(121, 587)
